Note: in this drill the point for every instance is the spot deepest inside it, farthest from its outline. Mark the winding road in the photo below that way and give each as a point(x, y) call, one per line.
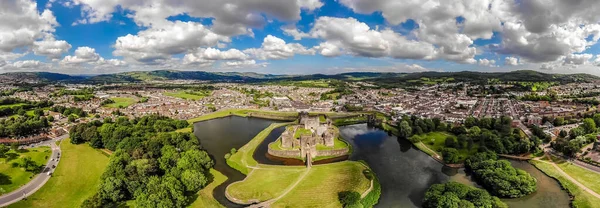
point(39, 180)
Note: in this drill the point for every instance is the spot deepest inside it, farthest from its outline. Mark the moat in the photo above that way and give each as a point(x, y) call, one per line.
point(404, 172)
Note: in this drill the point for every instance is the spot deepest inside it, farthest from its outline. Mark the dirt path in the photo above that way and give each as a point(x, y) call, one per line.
point(571, 178)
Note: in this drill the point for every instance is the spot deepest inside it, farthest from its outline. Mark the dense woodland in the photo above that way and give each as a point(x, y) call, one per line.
point(456, 195)
point(499, 177)
point(151, 164)
point(22, 126)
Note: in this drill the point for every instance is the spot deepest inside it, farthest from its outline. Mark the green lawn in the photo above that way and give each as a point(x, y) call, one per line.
point(582, 198)
point(13, 178)
point(589, 178)
point(11, 105)
point(196, 95)
point(243, 157)
point(74, 180)
point(436, 142)
point(321, 186)
point(205, 196)
point(121, 102)
point(301, 132)
point(265, 184)
point(337, 144)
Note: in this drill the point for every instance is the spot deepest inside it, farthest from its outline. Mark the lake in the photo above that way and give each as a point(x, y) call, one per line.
point(404, 172)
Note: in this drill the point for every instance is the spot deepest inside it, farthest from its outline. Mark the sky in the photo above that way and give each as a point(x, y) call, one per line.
point(299, 36)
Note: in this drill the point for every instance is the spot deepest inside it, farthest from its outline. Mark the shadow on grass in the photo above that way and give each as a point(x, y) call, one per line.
point(5, 179)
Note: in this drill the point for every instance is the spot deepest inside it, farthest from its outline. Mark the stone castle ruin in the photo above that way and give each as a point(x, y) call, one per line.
point(301, 140)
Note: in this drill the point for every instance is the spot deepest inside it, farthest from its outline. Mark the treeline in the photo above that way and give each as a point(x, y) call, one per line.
point(150, 164)
point(22, 126)
point(454, 194)
point(67, 111)
point(20, 109)
point(109, 134)
point(499, 177)
point(571, 143)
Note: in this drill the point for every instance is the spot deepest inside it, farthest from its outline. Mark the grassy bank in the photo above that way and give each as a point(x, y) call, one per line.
point(11, 178)
point(589, 178)
point(276, 115)
point(582, 199)
point(205, 196)
point(243, 159)
point(74, 180)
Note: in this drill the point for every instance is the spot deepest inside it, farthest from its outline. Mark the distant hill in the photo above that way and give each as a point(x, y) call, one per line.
point(390, 79)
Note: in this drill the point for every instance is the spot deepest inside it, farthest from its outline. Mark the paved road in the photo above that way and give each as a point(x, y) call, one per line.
point(39, 180)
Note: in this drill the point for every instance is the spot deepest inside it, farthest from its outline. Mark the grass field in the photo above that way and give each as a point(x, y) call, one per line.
point(241, 113)
point(265, 184)
point(589, 178)
point(121, 102)
point(436, 141)
point(320, 187)
point(13, 178)
point(197, 95)
point(301, 132)
point(205, 196)
point(582, 198)
point(337, 144)
point(11, 105)
point(243, 157)
point(74, 180)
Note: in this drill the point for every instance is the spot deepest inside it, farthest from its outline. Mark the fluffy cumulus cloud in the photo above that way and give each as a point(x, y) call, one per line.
point(348, 35)
point(82, 55)
point(578, 59)
point(51, 48)
point(536, 30)
point(486, 62)
point(511, 61)
point(276, 48)
point(206, 57)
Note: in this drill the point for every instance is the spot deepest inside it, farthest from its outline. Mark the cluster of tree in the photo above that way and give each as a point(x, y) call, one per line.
point(338, 92)
point(499, 177)
point(22, 108)
point(587, 101)
point(151, 164)
point(353, 108)
point(109, 134)
point(161, 170)
point(22, 126)
point(571, 143)
point(350, 199)
point(107, 101)
point(67, 111)
point(79, 98)
point(456, 195)
point(536, 97)
point(489, 133)
point(12, 91)
point(28, 164)
point(84, 91)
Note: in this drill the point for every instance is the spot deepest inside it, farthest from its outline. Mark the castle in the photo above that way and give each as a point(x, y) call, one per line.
point(309, 133)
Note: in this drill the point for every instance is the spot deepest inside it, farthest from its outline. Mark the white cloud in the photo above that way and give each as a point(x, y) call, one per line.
point(276, 48)
point(578, 59)
point(206, 57)
point(511, 61)
point(291, 30)
point(82, 55)
point(162, 42)
point(51, 48)
point(486, 62)
point(357, 38)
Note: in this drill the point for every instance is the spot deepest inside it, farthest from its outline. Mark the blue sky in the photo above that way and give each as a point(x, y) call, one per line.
point(298, 36)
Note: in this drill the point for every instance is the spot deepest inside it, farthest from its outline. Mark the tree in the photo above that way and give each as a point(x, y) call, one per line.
point(14, 146)
point(193, 180)
point(450, 155)
point(589, 126)
point(3, 150)
point(457, 195)
point(349, 198)
point(405, 130)
point(499, 177)
point(71, 118)
point(563, 134)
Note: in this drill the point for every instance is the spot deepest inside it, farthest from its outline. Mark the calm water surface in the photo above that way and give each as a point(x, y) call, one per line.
point(405, 173)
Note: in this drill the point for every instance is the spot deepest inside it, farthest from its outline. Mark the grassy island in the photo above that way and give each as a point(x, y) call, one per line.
point(285, 186)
